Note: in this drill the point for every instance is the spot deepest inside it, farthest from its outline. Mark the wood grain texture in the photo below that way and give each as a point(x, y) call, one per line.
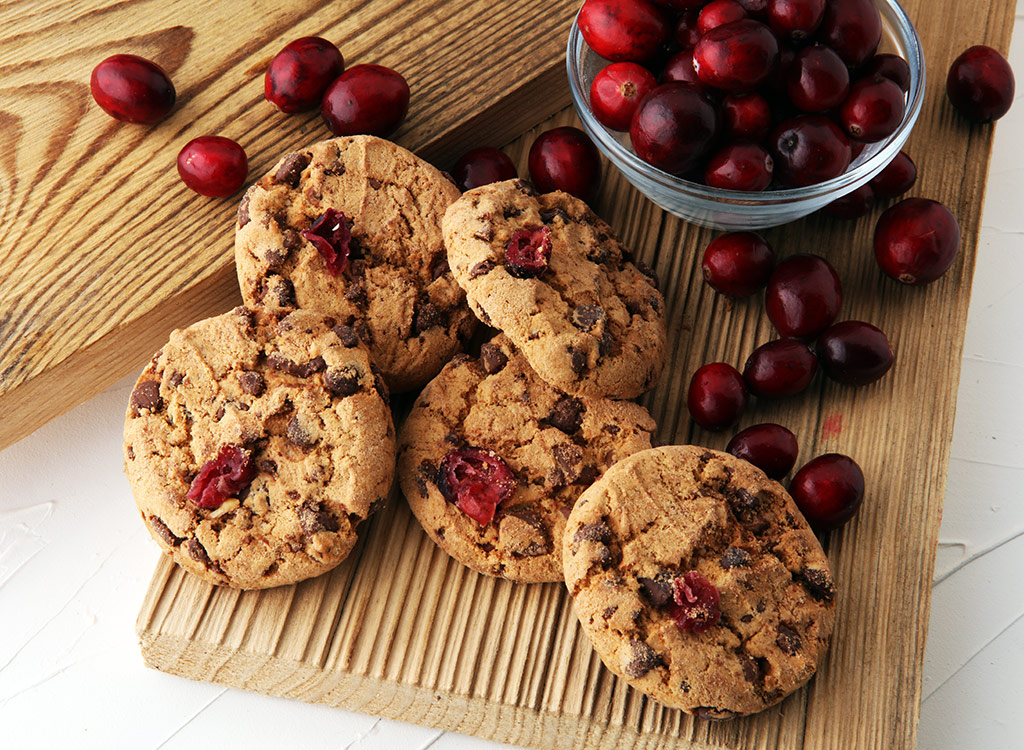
point(401, 630)
point(103, 251)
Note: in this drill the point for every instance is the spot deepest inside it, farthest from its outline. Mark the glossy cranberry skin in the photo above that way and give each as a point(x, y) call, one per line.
point(770, 447)
point(873, 110)
point(980, 84)
point(853, 28)
point(132, 89)
point(738, 264)
point(808, 149)
point(674, 127)
point(737, 56)
point(299, 74)
point(916, 241)
point(896, 178)
point(783, 367)
point(828, 490)
point(212, 165)
point(803, 296)
point(366, 100)
point(740, 165)
point(717, 396)
point(890, 66)
point(817, 80)
point(854, 353)
point(616, 92)
point(719, 13)
point(679, 69)
point(565, 159)
point(686, 34)
point(746, 117)
point(853, 205)
point(795, 20)
point(624, 30)
point(482, 166)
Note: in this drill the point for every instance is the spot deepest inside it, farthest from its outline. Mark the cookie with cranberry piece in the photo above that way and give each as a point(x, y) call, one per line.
point(492, 458)
point(549, 274)
point(351, 227)
point(255, 443)
point(698, 581)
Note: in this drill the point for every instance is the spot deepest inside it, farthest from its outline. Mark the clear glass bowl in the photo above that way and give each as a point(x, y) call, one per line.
point(731, 209)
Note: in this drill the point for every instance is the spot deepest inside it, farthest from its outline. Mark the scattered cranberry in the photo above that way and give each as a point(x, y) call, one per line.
point(737, 56)
point(738, 263)
point(746, 117)
point(623, 30)
point(366, 100)
point(809, 149)
point(679, 69)
point(686, 34)
point(817, 79)
point(770, 447)
point(828, 490)
point(212, 165)
point(873, 110)
point(739, 165)
point(803, 296)
point(132, 89)
point(674, 127)
point(477, 481)
point(222, 477)
point(891, 66)
point(916, 241)
point(299, 74)
point(482, 166)
point(853, 28)
point(795, 19)
point(853, 205)
point(896, 178)
point(980, 84)
point(331, 234)
point(783, 367)
point(854, 353)
point(528, 252)
point(695, 603)
point(718, 13)
point(565, 159)
point(616, 92)
point(717, 396)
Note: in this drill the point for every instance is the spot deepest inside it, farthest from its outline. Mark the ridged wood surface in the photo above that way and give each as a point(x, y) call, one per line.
point(401, 630)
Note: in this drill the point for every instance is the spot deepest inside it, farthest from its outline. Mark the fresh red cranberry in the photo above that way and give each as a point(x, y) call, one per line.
point(565, 159)
point(213, 165)
point(528, 252)
point(853, 28)
point(737, 56)
point(896, 178)
point(740, 165)
point(853, 205)
point(616, 92)
point(980, 84)
point(783, 367)
point(796, 20)
point(695, 605)
point(482, 166)
point(746, 117)
point(803, 296)
point(916, 241)
point(808, 149)
point(873, 110)
point(679, 69)
point(623, 30)
point(817, 80)
point(719, 13)
point(828, 490)
point(770, 447)
point(132, 89)
point(854, 353)
point(755, 8)
point(674, 127)
point(477, 481)
point(331, 235)
point(686, 34)
point(890, 66)
point(366, 100)
point(222, 477)
point(717, 396)
point(738, 264)
point(299, 74)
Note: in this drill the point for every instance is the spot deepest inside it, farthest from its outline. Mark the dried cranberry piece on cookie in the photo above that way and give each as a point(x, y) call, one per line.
point(528, 252)
point(222, 477)
point(696, 603)
point(331, 235)
point(477, 481)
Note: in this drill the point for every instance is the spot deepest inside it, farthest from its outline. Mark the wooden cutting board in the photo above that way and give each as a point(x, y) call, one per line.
point(401, 630)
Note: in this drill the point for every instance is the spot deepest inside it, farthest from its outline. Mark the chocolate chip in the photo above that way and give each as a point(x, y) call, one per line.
point(568, 457)
point(788, 639)
point(511, 212)
point(363, 331)
point(658, 590)
point(219, 414)
point(647, 271)
point(439, 269)
point(745, 501)
point(549, 216)
point(377, 505)
point(281, 363)
point(593, 532)
point(482, 268)
point(525, 187)
point(252, 382)
point(427, 472)
point(343, 382)
point(267, 466)
point(598, 254)
point(335, 170)
point(197, 551)
point(164, 532)
point(131, 453)
point(492, 358)
point(243, 210)
point(346, 335)
point(291, 168)
point(819, 583)
point(314, 518)
point(523, 532)
point(751, 669)
point(734, 557)
point(642, 660)
point(484, 235)
point(285, 293)
point(440, 532)
point(611, 429)
point(356, 293)
point(586, 317)
point(577, 360)
point(567, 414)
point(146, 396)
point(298, 434)
point(379, 385)
point(589, 474)
point(608, 612)
point(374, 183)
point(428, 316)
point(176, 378)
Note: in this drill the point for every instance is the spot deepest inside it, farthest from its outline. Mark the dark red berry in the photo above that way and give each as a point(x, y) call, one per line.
point(916, 241)
point(717, 396)
point(893, 67)
point(695, 603)
point(796, 20)
point(817, 79)
point(770, 447)
point(477, 481)
point(623, 30)
point(565, 159)
point(783, 367)
point(854, 353)
point(828, 490)
point(746, 117)
point(980, 84)
point(756, 8)
point(616, 92)
point(740, 165)
point(738, 263)
point(331, 235)
point(736, 56)
point(132, 89)
point(212, 165)
point(674, 128)
point(686, 35)
point(896, 178)
point(366, 100)
point(679, 69)
point(482, 166)
point(853, 205)
point(856, 147)
point(222, 477)
point(719, 13)
point(299, 74)
point(873, 110)
point(803, 296)
point(853, 28)
point(528, 252)
point(808, 149)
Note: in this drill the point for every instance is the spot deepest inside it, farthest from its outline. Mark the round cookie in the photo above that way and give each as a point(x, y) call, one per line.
point(255, 442)
point(384, 272)
point(641, 547)
point(587, 320)
point(554, 445)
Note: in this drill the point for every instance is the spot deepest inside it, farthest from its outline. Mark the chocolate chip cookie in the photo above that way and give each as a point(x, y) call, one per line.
point(351, 227)
point(698, 581)
point(546, 271)
point(255, 443)
point(492, 458)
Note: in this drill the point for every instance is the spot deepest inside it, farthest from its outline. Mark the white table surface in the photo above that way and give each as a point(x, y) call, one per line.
point(75, 562)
